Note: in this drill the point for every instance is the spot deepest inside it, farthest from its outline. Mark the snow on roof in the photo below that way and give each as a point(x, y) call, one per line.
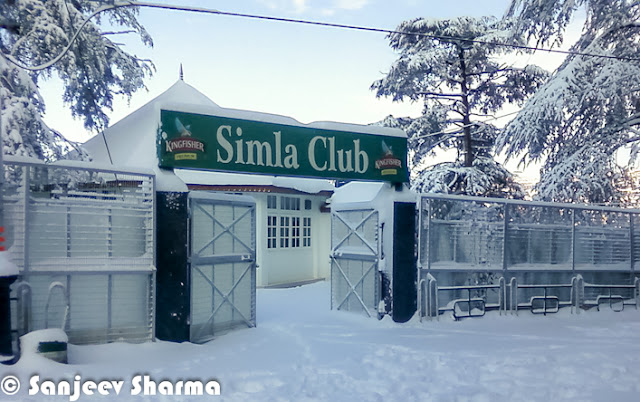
point(311, 186)
point(379, 196)
point(356, 192)
point(132, 140)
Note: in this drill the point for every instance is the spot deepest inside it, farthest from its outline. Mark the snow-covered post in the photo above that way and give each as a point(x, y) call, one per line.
point(395, 206)
point(403, 246)
point(173, 293)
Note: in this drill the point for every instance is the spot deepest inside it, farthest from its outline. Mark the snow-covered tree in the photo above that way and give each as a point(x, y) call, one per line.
point(453, 67)
point(589, 109)
point(93, 70)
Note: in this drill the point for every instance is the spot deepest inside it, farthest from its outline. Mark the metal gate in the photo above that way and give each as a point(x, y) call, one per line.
point(222, 247)
point(355, 247)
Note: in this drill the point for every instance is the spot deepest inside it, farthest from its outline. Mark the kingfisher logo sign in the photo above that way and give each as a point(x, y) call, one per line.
point(388, 164)
point(188, 140)
point(184, 147)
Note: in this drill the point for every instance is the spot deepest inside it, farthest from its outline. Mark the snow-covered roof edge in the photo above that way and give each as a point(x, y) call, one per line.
point(199, 103)
point(215, 178)
point(279, 119)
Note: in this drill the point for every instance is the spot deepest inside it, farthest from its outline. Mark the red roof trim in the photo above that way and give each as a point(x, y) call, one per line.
point(254, 189)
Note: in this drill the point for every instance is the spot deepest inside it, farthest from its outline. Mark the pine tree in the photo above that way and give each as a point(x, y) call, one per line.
point(454, 69)
point(95, 68)
point(589, 109)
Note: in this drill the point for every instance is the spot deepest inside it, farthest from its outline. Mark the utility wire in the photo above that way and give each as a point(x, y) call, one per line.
point(364, 28)
point(115, 5)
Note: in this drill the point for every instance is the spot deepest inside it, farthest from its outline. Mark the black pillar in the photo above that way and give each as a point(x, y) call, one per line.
point(6, 347)
point(172, 276)
point(404, 261)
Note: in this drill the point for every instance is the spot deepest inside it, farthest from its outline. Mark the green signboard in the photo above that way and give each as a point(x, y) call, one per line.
point(196, 141)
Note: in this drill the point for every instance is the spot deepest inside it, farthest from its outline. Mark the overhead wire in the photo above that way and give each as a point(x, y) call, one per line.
point(106, 6)
point(365, 28)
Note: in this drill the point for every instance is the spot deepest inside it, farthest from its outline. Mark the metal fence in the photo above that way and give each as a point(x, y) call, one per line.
point(477, 254)
point(84, 241)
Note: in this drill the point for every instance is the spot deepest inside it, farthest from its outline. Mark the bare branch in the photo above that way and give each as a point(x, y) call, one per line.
point(128, 31)
point(439, 95)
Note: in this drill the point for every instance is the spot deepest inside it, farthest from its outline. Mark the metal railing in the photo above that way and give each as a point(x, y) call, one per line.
point(476, 305)
point(616, 301)
point(510, 298)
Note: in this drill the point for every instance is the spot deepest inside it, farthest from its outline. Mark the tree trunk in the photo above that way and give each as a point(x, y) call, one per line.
point(466, 121)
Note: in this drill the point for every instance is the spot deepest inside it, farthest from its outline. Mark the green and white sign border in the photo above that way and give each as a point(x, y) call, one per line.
point(209, 142)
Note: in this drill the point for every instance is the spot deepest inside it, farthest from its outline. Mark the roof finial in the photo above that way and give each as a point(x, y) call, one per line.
point(181, 73)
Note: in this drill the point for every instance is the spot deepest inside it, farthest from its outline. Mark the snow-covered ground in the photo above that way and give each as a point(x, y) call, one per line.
point(301, 350)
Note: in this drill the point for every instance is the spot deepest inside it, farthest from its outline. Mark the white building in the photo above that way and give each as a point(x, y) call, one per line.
point(293, 223)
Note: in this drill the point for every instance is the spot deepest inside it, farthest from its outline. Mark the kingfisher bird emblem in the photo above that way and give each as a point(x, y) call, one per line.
point(388, 164)
point(184, 131)
point(388, 151)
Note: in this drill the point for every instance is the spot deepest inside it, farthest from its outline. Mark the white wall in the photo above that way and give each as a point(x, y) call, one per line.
point(292, 264)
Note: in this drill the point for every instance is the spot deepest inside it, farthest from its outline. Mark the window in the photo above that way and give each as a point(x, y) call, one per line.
point(288, 229)
point(272, 231)
point(284, 231)
point(272, 202)
point(306, 232)
point(295, 231)
point(290, 203)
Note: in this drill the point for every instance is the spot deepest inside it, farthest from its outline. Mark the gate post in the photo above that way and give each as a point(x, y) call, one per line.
point(395, 206)
point(8, 275)
point(404, 261)
point(172, 276)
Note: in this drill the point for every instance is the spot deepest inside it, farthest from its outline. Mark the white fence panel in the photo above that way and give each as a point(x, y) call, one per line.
point(85, 244)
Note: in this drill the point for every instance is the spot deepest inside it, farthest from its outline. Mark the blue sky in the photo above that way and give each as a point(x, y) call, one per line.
point(306, 72)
